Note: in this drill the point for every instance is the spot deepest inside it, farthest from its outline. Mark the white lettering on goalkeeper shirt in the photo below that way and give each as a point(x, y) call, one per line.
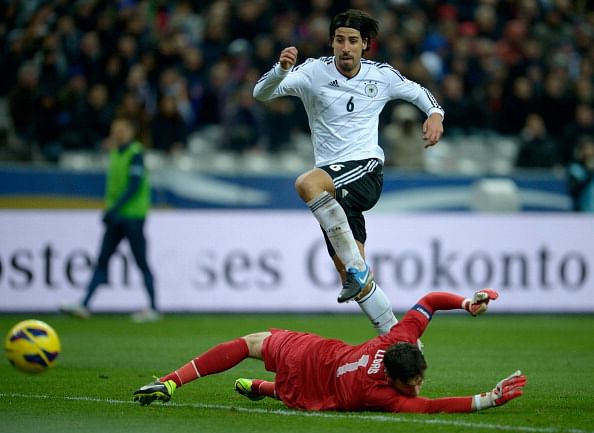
point(352, 366)
point(378, 359)
point(344, 112)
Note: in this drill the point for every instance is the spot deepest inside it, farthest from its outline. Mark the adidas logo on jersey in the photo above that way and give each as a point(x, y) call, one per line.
point(333, 83)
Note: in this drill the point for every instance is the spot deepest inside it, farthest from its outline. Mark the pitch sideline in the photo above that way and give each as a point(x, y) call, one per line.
point(334, 415)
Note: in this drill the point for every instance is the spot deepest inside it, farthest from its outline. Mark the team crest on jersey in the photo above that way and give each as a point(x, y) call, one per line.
point(371, 90)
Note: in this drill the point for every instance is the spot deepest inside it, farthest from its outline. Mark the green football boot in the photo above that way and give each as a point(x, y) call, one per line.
point(244, 387)
point(156, 390)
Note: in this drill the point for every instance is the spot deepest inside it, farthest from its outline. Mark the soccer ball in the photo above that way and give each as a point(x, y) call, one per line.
point(32, 346)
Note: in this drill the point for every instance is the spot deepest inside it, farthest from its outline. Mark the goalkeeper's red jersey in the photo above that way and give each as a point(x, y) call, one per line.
point(315, 373)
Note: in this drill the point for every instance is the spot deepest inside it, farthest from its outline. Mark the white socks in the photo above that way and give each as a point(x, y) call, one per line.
point(331, 216)
point(333, 220)
point(378, 308)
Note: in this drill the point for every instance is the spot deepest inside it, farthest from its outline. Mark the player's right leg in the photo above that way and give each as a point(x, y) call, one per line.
point(157, 390)
point(111, 239)
point(215, 360)
point(316, 188)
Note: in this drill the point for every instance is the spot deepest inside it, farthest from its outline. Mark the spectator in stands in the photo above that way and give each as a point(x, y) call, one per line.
point(23, 101)
point(516, 106)
point(137, 83)
point(193, 72)
point(97, 117)
point(556, 106)
point(69, 36)
point(584, 90)
point(503, 53)
point(12, 58)
point(244, 128)
point(457, 105)
point(581, 125)
point(48, 127)
point(249, 20)
point(402, 140)
point(215, 95)
point(264, 50)
point(215, 35)
point(168, 129)
point(113, 75)
point(280, 123)
point(172, 83)
point(90, 57)
point(52, 67)
point(581, 176)
point(73, 103)
point(538, 149)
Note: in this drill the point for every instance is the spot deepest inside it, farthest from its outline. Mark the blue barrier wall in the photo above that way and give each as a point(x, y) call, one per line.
point(36, 187)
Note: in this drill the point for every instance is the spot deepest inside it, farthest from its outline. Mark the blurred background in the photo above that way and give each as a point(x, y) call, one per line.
point(515, 77)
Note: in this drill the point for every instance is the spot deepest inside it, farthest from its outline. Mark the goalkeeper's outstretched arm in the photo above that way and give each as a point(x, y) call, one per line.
point(507, 389)
point(476, 305)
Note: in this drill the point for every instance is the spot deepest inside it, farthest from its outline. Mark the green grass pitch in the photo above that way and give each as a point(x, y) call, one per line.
point(105, 359)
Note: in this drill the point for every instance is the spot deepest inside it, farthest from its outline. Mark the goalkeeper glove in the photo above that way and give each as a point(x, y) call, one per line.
point(479, 301)
point(506, 390)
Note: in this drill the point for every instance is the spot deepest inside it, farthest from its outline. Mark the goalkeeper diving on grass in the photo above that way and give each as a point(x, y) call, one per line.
point(315, 373)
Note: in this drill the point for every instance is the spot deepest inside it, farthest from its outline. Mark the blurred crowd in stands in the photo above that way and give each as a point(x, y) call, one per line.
point(516, 68)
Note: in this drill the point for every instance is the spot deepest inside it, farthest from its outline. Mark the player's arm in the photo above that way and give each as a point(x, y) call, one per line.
point(266, 87)
point(411, 91)
point(433, 129)
point(507, 389)
point(407, 90)
point(476, 305)
point(416, 320)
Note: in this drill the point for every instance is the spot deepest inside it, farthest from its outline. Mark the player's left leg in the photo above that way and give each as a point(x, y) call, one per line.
point(378, 308)
point(255, 389)
point(373, 302)
point(215, 360)
point(137, 240)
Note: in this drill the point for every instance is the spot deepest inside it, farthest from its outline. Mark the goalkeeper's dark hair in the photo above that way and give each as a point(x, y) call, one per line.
point(404, 361)
point(358, 20)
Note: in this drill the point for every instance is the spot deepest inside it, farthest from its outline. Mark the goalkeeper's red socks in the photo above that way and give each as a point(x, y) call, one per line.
point(220, 358)
point(263, 387)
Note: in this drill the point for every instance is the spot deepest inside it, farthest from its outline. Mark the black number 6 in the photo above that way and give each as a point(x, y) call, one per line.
point(350, 106)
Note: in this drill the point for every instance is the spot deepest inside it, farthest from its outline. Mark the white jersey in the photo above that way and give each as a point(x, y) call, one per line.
point(344, 112)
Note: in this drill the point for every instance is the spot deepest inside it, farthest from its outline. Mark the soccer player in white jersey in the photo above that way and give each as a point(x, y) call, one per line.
point(343, 95)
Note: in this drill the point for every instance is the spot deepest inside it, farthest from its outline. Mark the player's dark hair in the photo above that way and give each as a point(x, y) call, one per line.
point(404, 361)
point(358, 20)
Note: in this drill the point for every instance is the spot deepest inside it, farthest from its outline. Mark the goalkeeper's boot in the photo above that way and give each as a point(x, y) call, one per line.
point(354, 283)
point(244, 387)
point(156, 390)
